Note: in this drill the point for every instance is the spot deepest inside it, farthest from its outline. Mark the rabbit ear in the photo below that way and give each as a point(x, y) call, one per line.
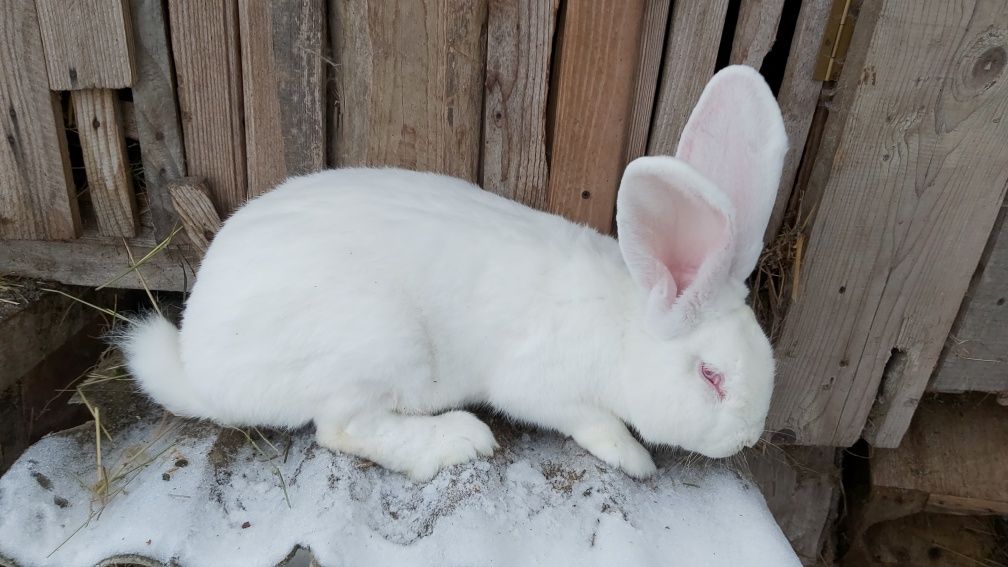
point(735, 138)
point(675, 233)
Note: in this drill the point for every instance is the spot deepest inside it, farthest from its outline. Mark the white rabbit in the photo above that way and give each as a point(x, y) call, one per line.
point(377, 302)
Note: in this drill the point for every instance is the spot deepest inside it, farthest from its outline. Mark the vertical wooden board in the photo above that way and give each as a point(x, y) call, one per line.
point(594, 94)
point(913, 191)
point(798, 96)
point(410, 83)
point(656, 19)
point(155, 110)
point(127, 117)
point(976, 352)
point(284, 81)
point(104, 148)
point(88, 43)
point(832, 110)
point(690, 55)
point(755, 31)
point(37, 199)
point(519, 48)
point(204, 37)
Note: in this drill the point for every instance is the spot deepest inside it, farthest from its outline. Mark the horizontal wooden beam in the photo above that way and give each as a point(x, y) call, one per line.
point(93, 261)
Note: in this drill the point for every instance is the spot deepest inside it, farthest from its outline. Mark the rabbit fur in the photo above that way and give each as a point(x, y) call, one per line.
point(378, 302)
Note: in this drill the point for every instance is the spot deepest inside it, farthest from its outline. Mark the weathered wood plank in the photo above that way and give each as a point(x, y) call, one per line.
point(797, 98)
point(88, 46)
point(954, 452)
point(104, 148)
point(801, 486)
point(829, 119)
point(594, 94)
point(88, 43)
point(155, 110)
point(755, 31)
point(519, 51)
point(284, 81)
point(410, 84)
point(127, 118)
point(656, 19)
point(909, 527)
point(976, 353)
point(94, 261)
point(913, 190)
point(690, 54)
point(205, 46)
point(191, 199)
point(37, 199)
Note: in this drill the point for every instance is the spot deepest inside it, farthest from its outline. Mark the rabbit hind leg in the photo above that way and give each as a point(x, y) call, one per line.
point(416, 445)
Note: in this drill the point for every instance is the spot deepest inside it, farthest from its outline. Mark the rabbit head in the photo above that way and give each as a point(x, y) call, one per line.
point(690, 231)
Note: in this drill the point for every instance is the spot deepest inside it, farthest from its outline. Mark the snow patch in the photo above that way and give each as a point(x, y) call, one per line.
point(211, 498)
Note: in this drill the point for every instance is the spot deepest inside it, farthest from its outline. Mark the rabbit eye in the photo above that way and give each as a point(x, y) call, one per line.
point(714, 378)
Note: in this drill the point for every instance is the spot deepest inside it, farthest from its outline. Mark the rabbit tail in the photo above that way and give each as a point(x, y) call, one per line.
point(151, 348)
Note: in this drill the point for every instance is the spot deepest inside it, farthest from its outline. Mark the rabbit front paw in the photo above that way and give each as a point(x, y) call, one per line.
point(610, 441)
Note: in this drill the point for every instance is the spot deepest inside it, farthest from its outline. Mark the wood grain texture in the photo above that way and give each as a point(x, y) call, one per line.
point(829, 121)
point(954, 452)
point(755, 31)
point(801, 486)
point(37, 198)
point(204, 37)
point(798, 96)
point(104, 148)
point(690, 54)
point(127, 118)
point(88, 43)
point(594, 94)
point(519, 51)
point(653, 31)
point(912, 193)
point(976, 353)
point(191, 199)
point(410, 83)
point(93, 261)
point(155, 111)
point(284, 82)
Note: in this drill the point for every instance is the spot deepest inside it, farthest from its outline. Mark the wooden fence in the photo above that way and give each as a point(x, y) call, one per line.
point(887, 210)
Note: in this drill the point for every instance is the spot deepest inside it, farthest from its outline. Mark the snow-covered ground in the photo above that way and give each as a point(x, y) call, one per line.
point(207, 498)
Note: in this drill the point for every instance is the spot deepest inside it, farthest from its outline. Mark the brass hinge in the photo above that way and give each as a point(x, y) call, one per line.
point(836, 40)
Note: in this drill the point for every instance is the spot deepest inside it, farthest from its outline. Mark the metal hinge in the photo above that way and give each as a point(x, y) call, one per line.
point(836, 40)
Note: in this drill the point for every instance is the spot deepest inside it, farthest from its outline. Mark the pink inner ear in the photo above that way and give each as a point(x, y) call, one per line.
point(683, 250)
point(675, 235)
point(735, 137)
